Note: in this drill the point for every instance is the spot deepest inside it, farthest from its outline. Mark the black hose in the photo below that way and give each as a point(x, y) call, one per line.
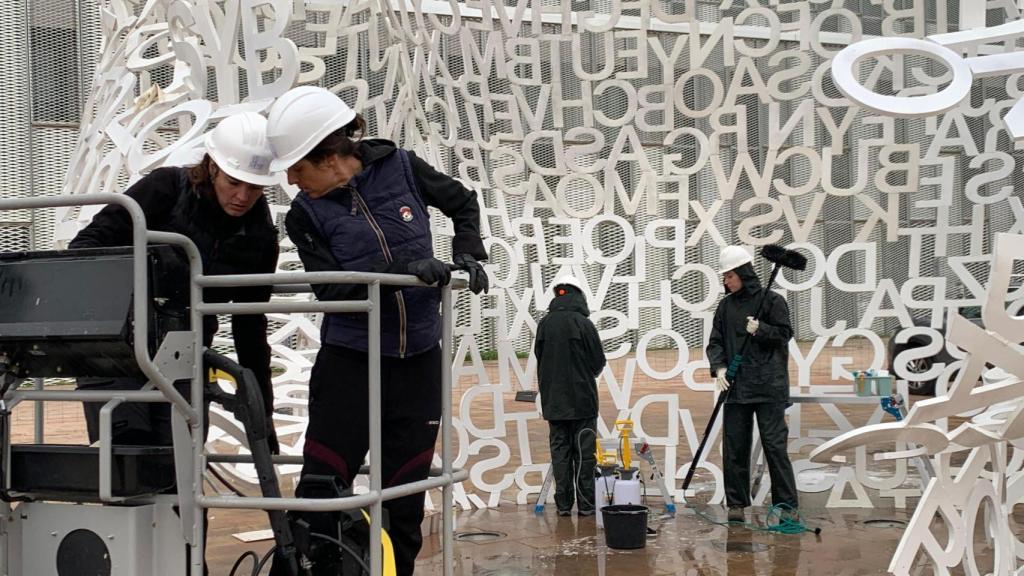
point(258, 564)
point(224, 481)
point(238, 563)
point(344, 547)
point(578, 467)
point(263, 562)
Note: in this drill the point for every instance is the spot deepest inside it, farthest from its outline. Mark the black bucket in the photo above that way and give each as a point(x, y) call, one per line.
point(625, 526)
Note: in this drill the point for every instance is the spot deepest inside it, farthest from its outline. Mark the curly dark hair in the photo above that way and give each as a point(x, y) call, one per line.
point(201, 173)
point(344, 142)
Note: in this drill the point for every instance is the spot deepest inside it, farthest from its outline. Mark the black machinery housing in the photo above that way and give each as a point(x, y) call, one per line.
point(69, 313)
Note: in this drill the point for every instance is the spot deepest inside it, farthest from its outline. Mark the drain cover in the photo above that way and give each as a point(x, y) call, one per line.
point(479, 536)
point(885, 523)
point(741, 546)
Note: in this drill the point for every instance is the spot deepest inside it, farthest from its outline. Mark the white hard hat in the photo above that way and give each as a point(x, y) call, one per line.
point(239, 147)
point(733, 257)
point(567, 280)
point(300, 119)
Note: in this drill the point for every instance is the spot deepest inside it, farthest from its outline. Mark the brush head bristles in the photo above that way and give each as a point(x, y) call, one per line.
point(786, 258)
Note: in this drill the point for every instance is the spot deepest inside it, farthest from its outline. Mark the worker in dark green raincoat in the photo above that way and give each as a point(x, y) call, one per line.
point(761, 386)
point(569, 359)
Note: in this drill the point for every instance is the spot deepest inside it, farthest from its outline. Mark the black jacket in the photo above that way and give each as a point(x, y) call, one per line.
point(569, 358)
point(244, 245)
point(437, 189)
point(764, 374)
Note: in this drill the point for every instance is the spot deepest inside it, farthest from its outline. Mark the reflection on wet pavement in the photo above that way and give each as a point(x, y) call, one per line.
point(686, 544)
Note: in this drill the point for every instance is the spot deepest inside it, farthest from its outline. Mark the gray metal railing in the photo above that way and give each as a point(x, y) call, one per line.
point(192, 413)
point(300, 281)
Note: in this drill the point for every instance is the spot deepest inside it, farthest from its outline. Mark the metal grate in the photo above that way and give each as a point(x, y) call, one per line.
point(15, 237)
point(50, 152)
point(15, 94)
point(55, 61)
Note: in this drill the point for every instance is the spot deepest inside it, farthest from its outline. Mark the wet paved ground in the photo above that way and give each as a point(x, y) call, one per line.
point(687, 544)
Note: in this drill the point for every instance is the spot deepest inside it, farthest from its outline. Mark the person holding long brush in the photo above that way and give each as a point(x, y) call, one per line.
point(760, 383)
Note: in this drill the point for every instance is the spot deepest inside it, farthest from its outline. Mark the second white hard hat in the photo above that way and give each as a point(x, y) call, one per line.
point(300, 119)
point(567, 280)
point(239, 147)
point(732, 257)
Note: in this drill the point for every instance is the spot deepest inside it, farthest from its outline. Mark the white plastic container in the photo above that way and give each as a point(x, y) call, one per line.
point(627, 492)
point(604, 491)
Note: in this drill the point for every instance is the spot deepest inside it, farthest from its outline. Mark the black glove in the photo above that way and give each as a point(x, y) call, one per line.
point(431, 271)
point(478, 281)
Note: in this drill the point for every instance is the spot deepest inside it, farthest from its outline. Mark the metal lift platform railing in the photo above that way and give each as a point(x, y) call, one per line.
point(165, 350)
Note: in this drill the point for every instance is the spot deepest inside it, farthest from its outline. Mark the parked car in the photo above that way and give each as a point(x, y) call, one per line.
point(921, 365)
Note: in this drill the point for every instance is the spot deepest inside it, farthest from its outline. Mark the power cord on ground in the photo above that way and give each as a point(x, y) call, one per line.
point(789, 521)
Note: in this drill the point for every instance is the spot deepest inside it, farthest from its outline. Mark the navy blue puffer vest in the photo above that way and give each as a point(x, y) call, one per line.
point(378, 216)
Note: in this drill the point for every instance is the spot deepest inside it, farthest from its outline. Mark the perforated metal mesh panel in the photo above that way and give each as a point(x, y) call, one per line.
point(55, 61)
point(15, 107)
point(15, 237)
point(51, 147)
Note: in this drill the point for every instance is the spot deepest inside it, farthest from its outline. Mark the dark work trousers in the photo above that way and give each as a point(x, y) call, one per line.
point(573, 462)
point(338, 435)
point(739, 430)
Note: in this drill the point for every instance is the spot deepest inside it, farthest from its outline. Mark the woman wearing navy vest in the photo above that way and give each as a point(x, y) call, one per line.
point(362, 206)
